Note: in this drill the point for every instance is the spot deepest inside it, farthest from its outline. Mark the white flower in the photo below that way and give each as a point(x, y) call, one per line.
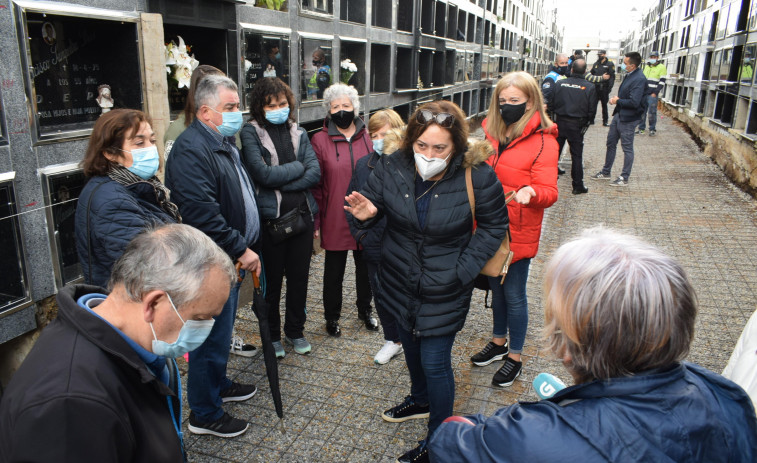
point(348, 65)
point(183, 75)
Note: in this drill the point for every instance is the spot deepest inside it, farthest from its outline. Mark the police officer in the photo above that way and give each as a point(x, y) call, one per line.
point(558, 72)
point(604, 66)
point(574, 103)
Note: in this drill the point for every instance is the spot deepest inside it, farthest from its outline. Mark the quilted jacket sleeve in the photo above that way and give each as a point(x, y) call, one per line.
point(263, 174)
point(312, 172)
point(544, 174)
point(492, 222)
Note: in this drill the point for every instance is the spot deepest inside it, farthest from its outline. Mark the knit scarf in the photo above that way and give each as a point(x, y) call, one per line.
point(125, 177)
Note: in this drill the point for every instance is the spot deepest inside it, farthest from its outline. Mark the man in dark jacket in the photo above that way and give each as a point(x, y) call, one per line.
point(101, 383)
point(574, 104)
point(626, 116)
point(601, 67)
point(214, 194)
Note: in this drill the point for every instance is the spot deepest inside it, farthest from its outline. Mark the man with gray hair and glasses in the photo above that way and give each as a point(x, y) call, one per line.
point(101, 383)
point(214, 194)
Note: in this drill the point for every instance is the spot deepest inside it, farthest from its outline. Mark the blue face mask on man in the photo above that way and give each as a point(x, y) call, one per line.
point(144, 162)
point(191, 336)
point(277, 116)
point(232, 122)
point(623, 67)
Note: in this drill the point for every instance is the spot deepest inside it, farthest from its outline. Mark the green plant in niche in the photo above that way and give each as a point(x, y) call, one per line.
point(272, 4)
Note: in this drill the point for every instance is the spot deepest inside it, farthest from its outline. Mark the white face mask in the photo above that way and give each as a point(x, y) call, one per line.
point(429, 167)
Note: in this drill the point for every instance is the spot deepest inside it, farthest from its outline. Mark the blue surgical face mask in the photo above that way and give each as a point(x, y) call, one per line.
point(277, 116)
point(623, 66)
point(378, 146)
point(191, 336)
point(278, 55)
point(145, 162)
point(232, 122)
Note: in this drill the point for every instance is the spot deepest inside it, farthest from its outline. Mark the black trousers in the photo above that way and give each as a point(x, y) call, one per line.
point(290, 258)
point(570, 130)
point(333, 277)
point(603, 96)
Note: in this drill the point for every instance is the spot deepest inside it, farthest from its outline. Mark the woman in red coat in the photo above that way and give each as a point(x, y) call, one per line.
point(525, 161)
point(338, 147)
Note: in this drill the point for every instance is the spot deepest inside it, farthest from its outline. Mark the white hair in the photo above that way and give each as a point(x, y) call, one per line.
point(340, 90)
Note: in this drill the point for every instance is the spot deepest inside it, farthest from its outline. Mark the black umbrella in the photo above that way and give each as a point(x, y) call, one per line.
point(260, 307)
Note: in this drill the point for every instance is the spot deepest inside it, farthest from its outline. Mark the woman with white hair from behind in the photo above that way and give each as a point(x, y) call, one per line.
point(620, 315)
point(338, 146)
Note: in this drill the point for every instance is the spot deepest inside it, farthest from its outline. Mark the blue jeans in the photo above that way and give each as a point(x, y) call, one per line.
point(622, 131)
point(388, 323)
point(207, 364)
point(510, 305)
point(429, 361)
point(652, 111)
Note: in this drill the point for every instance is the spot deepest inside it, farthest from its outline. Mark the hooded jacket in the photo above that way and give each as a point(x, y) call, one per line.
point(681, 414)
point(370, 238)
point(529, 160)
point(271, 178)
point(84, 394)
point(426, 275)
point(337, 157)
point(108, 216)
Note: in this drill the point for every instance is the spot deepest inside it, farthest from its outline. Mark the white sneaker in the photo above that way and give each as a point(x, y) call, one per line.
point(239, 347)
point(387, 352)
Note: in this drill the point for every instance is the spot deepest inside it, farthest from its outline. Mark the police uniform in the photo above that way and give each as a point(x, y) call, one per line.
point(548, 84)
point(574, 103)
point(603, 89)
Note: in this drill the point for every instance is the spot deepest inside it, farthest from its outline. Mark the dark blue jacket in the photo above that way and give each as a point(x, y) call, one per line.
point(115, 214)
point(368, 238)
point(204, 184)
point(426, 274)
point(681, 414)
point(631, 102)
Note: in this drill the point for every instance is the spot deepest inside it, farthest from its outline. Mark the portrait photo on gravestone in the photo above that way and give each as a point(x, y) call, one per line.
point(79, 68)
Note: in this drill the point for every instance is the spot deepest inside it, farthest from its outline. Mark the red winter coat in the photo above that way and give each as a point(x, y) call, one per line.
point(521, 164)
point(337, 158)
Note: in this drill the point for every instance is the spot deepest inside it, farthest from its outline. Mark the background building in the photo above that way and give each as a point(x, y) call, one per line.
point(58, 55)
point(709, 50)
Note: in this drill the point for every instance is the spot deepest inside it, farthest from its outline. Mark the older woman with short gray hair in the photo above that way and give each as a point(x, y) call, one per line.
point(338, 146)
point(620, 315)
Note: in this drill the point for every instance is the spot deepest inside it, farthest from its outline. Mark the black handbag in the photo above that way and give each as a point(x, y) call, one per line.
point(290, 224)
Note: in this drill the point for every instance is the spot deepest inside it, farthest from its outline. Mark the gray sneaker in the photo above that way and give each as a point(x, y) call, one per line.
point(652, 132)
point(600, 176)
point(301, 345)
point(620, 181)
point(279, 349)
point(641, 131)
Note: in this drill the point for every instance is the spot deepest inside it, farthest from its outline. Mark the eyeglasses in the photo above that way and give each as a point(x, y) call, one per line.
point(445, 120)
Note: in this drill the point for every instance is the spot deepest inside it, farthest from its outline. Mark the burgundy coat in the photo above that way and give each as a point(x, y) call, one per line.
point(337, 158)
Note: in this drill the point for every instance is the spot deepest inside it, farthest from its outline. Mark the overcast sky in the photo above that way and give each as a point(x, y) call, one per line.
point(607, 19)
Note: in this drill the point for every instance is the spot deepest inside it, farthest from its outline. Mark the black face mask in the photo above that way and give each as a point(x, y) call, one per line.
point(343, 118)
point(562, 70)
point(316, 63)
point(511, 113)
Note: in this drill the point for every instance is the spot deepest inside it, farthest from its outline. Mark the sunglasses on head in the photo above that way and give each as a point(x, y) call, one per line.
point(445, 120)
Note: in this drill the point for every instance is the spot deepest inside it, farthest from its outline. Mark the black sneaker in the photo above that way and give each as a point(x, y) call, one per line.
point(489, 354)
point(226, 426)
point(560, 171)
point(238, 392)
point(507, 373)
point(407, 410)
point(416, 455)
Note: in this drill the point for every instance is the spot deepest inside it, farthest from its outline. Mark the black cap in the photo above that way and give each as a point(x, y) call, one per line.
point(654, 53)
point(602, 52)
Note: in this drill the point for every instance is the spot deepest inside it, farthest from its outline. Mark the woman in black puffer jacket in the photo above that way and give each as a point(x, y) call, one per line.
point(429, 255)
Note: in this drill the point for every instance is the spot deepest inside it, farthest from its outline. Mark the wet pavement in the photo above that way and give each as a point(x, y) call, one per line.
point(676, 198)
